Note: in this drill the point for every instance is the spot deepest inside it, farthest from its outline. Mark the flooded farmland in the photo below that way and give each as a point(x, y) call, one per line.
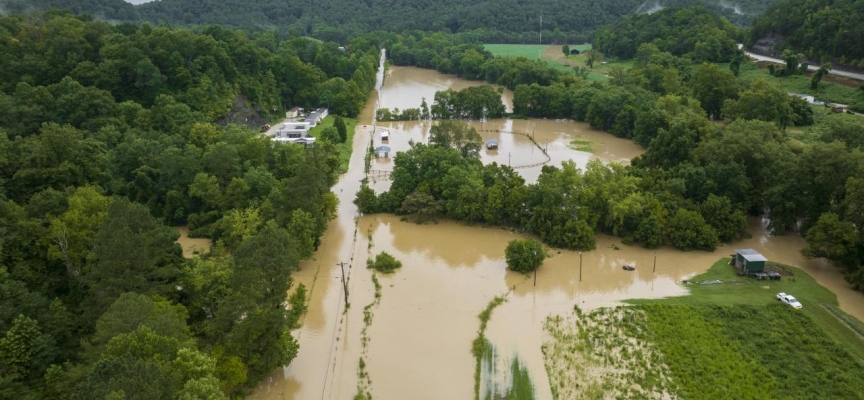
point(416, 341)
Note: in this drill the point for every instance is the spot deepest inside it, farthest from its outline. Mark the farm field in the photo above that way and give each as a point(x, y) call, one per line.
point(728, 340)
point(550, 53)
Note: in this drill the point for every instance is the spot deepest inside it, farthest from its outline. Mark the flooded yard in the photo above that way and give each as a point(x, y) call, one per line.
point(418, 338)
point(192, 246)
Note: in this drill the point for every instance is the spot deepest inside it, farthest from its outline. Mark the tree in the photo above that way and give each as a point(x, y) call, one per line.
point(25, 352)
point(791, 58)
point(834, 239)
point(594, 55)
point(566, 50)
point(687, 230)
point(339, 124)
point(132, 252)
point(72, 232)
point(384, 262)
point(457, 135)
point(761, 101)
point(712, 85)
point(819, 74)
point(330, 134)
point(524, 255)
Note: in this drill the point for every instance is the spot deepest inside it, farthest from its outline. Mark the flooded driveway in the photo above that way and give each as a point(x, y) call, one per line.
point(417, 340)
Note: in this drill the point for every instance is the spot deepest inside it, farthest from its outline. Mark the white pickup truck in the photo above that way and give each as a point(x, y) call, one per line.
point(789, 299)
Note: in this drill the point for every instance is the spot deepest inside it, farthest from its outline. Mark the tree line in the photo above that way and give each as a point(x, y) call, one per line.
point(108, 136)
point(338, 20)
point(692, 32)
point(826, 30)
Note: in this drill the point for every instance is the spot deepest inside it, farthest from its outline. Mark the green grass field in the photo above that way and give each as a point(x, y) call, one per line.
point(747, 291)
point(541, 52)
point(801, 84)
point(823, 118)
point(731, 340)
point(344, 148)
point(529, 51)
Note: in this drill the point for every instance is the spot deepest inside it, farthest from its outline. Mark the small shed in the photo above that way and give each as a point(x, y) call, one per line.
point(382, 151)
point(491, 144)
point(385, 135)
point(294, 112)
point(748, 261)
point(575, 52)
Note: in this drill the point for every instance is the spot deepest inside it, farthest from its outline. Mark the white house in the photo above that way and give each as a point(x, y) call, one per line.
point(293, 130)
point(294, 112)
point(315, 117)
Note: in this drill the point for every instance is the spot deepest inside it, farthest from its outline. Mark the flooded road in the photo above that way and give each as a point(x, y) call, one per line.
point(418, 341)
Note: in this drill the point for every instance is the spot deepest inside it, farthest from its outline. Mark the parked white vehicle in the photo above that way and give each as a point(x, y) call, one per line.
point(789, 299)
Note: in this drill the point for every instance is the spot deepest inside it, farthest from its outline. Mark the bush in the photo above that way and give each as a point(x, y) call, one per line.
point(384, 263)
point(524, 255)
point(331, 135)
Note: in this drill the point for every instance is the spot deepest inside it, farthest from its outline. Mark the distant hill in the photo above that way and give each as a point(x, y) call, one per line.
point(827, 30)
point(500, 20)
point(100, 9)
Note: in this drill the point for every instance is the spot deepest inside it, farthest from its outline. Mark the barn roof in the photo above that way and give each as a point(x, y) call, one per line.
point(750, 255)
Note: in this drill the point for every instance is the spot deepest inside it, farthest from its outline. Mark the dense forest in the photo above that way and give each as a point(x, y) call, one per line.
point(510, 21)
point(109, 135)
point(827, 30)
point(692, 188)
point(691, 32)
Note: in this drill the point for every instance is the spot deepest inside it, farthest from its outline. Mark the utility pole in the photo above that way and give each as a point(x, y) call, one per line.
point(508, 158)
point(580, 266)
point(344, 282)
point(541, 31)
point(655, 262)
point(535, 269)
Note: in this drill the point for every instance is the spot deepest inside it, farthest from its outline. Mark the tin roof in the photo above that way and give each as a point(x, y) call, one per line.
point(750, 255)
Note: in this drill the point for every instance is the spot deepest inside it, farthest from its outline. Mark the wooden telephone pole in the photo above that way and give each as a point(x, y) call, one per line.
point(344, 282)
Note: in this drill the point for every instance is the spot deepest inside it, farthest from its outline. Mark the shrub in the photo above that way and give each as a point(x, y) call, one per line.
point(524, 255)
point(384, 262)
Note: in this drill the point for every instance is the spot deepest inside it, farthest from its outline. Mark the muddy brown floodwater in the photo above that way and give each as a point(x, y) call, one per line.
point(192, 246)
point(419, 337)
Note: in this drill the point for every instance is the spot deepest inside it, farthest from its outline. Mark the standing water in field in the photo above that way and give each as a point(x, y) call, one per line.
point(418, 343)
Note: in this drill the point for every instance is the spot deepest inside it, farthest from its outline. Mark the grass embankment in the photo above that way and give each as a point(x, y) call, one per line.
point(729, 340)
point(823, 119)
point(832, 92)
point(344, 148)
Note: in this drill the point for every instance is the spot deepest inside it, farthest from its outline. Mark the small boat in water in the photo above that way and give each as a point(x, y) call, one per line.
point(629, 267)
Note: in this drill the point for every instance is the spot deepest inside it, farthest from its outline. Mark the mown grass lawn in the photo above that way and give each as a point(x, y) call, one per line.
point(344, 148)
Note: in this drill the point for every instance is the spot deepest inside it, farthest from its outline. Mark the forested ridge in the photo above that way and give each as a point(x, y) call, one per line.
point(508, 21)
point(107, 138)
point(827, 30)
point(693, 187)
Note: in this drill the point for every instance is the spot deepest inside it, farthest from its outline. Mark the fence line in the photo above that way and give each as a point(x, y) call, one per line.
point(531, 138)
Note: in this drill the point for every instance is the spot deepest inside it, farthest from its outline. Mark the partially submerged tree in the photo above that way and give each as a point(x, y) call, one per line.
point(524, 255)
